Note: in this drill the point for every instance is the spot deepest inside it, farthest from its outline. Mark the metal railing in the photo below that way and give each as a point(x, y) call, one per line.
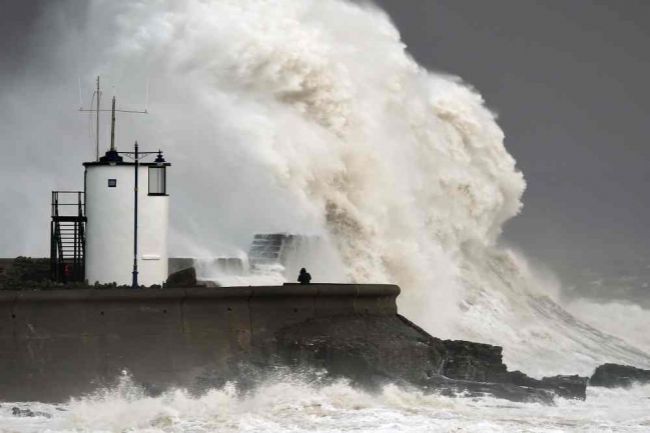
point(68, 199)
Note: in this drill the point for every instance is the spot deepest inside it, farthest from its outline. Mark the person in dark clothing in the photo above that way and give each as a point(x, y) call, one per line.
point(304, 277)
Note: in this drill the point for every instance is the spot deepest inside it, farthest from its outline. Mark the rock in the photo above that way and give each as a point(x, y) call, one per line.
point(616, 375)
point(16, 411)
point(373, 351)
point(183, 278)
point(573, 386)
point(472, 361)
point(469, 361)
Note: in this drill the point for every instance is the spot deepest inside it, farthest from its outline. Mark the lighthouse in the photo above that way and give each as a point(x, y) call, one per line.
point(115, 230)
point(127, 211)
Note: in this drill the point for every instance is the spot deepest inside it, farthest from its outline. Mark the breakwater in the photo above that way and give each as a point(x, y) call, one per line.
point(55, 344)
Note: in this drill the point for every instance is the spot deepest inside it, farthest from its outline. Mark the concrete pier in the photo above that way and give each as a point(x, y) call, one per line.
point(57, 344)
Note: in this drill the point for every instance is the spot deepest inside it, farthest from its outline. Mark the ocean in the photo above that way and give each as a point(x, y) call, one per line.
point(294, 406)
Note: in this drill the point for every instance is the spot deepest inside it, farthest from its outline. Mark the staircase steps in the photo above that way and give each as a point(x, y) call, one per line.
point(67, 237)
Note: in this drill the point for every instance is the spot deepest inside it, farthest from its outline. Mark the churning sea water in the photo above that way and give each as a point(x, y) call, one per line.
point(294, 406)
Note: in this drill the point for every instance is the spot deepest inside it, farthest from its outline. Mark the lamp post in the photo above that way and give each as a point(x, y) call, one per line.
point(136, 155)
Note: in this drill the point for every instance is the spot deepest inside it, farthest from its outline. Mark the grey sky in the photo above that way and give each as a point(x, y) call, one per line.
point(569, 82)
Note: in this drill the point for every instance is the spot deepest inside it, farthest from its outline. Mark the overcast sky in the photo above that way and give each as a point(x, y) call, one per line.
point(568, 80)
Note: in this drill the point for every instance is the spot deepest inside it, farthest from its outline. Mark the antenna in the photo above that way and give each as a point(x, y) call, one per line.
point(99, 95)
point(146, 96)
point(113, 125)
point(98, 109)
point(81, 104)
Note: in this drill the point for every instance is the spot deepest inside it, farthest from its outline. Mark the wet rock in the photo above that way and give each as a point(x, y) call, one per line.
point(574, 387)
point(16, 411)
point(616, 375)
point(478, 362)
point(373, 351)
point(182, 278)
point(473, 361)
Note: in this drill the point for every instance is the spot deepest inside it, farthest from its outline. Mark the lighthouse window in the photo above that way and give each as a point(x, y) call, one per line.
point(157, 181)
point(112, 183)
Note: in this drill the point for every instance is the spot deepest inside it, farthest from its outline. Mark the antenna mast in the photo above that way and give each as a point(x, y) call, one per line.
point(98, 109)
point(113, 125)
point(98, 92)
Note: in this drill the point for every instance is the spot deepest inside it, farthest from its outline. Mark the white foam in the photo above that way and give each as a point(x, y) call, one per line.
point(292, 405)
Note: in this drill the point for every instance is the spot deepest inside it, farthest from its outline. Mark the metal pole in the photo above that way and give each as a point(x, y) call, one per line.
point(97, 137)
point(52, 244)
point(113, 125)
point(78, 241)
point(135, 223)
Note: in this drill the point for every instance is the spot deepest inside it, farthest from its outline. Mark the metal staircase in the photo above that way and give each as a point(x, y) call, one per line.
point(268, 248)
point(67, 236)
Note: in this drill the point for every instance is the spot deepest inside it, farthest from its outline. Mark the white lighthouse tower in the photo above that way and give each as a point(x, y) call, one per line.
point(127, 210)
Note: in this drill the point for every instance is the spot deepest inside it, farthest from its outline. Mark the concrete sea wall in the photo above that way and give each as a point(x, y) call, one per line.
point(65, 343)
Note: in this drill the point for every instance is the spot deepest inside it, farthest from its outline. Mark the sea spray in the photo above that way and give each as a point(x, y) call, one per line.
point(398, 167)
point(402, 170)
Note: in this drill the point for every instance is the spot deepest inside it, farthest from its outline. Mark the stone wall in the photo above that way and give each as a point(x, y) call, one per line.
point(58, 344)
